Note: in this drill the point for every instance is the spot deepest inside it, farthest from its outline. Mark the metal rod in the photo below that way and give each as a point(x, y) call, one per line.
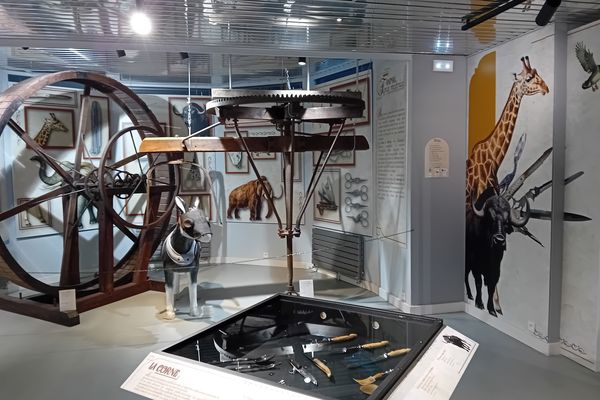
point(258, 176)
point(307, 73)
point(486, 14)
point(288, 158)
point(311, 189)
point(200, 131)
point(230, 72)
point(189, 99)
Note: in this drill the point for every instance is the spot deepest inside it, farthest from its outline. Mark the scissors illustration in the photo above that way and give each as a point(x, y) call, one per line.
point(352, 181)
point(350, 205)
point(363, 193)
point(361, 218)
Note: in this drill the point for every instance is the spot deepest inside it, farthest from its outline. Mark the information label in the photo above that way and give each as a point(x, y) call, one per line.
point(438, 372)
point(161, 377)
point(390, 111)
point(67, 300)
point(437, 159)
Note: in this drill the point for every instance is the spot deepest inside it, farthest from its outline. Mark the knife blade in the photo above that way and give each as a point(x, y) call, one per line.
point(308, 377)
point(384, 356)
point(311, 347)
point(547, 215)
point(365, 346)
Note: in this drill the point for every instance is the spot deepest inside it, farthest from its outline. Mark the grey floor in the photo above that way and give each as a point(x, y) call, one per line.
point(39, 360)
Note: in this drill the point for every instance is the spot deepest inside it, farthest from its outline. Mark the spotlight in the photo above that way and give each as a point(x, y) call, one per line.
point(184, 55)
point(140, 22)
point(302, 61)
point(339, 20)
point(121, 53)
point(547, 12)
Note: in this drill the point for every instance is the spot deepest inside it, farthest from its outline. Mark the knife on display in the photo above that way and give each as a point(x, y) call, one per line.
point(308, 377)
point(321, 365)
point(365, 346)
point(384, 356)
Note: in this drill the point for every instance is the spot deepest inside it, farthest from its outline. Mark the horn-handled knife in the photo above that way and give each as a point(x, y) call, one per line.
point(384, 356)
point(337, 339)
point(365, 346)
point(371, 379)
point(321, 365)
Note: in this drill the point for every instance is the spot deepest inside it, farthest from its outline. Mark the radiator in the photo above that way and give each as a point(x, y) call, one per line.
point(340, 252)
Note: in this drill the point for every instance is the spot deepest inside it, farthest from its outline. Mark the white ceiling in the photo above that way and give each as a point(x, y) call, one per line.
point(84, 34)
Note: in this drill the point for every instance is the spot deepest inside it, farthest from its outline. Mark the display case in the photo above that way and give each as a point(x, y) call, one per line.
point(315, 347)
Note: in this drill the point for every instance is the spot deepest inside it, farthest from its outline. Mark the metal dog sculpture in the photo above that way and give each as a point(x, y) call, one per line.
point(181, 252)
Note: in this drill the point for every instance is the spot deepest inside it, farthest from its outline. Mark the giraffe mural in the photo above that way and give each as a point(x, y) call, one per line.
point(482, 168)
point(488, 154)
point(50, 125)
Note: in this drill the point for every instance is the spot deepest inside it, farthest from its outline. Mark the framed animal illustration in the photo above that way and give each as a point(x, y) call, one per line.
point(51, 128)
point(327, 196)
point(236, 162)
point(179, 112)
point(193, 180)
point(262, 131)
point(97, 131)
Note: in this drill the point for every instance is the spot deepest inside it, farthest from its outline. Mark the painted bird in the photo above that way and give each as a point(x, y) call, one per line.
point(586, 58)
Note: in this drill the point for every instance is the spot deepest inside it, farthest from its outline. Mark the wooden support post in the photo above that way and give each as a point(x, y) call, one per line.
point(105, 254)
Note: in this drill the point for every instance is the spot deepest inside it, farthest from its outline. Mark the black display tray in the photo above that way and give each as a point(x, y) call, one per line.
point(283, 323)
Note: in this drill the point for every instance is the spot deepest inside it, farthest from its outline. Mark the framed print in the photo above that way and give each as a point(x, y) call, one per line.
point(262, 131)
point(178, 115)
point(192, 180)
point(38, 216)
point(205, 203)
point(50, 96)
point(97, 131)
point(327, 197)
point(236, 162)
point(51, 128)
point(364, 87)
point(339, 158)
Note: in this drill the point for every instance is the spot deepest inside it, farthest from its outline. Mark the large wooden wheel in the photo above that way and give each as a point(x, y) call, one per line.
point(136, 240)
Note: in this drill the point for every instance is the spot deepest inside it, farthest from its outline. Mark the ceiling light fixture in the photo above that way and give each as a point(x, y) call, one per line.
point(139, 21)
point(121, 53)
point(339, 20)
point(547, 12)
point(302, 61)
point(184, 55)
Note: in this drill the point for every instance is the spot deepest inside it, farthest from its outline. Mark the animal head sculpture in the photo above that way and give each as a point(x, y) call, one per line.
point(195, 113)
point(192, 221)
point(528, 81)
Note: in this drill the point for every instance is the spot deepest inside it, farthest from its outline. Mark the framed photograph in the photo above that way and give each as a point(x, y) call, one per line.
point(364, 87)
point(51, 128)
point(339, 158)
point(327, 197)
point(262, 131)
point(38, 216)
point(178, 114)
point(54, 97)
point(97, 131)
point(192, 182)
point(236, 162)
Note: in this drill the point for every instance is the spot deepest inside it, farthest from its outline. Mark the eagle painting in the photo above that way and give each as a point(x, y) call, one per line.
point(586, 58)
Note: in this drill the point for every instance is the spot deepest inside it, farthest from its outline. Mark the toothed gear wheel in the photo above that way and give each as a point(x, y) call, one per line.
point(234, 97)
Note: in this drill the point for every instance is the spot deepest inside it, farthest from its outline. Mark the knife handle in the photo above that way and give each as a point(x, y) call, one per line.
point(344, 338)
point(398, 352)
point(375, 345)
point(321, 365)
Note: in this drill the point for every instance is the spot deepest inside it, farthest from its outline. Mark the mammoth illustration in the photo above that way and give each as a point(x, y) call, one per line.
point(250, 195)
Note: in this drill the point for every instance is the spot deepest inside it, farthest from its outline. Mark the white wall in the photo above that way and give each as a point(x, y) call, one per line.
point(580, 317)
